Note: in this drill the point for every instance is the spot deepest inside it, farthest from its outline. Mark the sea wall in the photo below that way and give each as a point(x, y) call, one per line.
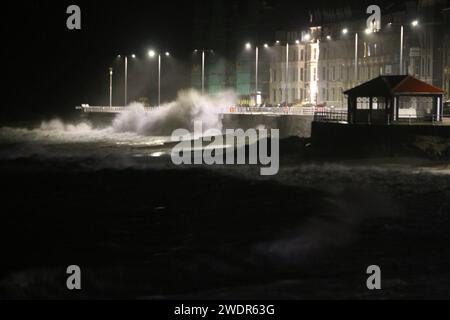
point(367, 140)
point(289, 126)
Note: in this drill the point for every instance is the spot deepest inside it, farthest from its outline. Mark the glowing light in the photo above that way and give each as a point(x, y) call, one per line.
point(307, 37)
point(345, 31)
point(297, 41)
point(266, 46)
point(133, 56)
point(157, 154)
point(151, 54)
point(328, 37)
point(167, 54)
point(415, 23)
point(368, 31)
point(248, 46)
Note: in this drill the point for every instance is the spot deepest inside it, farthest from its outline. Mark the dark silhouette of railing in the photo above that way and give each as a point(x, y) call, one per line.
point(331, 116)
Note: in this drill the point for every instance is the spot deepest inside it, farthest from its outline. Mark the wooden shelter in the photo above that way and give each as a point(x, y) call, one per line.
point(391, 99)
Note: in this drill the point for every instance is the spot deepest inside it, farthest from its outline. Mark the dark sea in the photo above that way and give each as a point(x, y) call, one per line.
point(140, 227)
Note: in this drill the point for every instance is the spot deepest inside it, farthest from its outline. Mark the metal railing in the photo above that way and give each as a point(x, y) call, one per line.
point(319, 113)
point(331, 116)
point(271, 111)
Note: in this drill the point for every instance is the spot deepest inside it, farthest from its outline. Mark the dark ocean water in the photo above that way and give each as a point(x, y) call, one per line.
point(140, 227)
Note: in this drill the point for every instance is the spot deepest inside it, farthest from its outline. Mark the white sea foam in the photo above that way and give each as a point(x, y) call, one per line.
point(188, 108)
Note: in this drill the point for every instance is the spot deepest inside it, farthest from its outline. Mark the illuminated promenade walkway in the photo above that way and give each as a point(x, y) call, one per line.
point(297, 111)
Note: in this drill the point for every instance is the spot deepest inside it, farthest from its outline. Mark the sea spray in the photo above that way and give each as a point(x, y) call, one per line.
point(189, 107)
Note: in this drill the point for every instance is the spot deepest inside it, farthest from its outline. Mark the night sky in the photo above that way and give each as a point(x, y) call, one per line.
point(50, 69)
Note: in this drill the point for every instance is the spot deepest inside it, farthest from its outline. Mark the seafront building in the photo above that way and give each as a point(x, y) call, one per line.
point(316, 64)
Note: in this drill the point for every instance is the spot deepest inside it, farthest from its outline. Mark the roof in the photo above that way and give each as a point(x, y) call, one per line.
point(393, 85)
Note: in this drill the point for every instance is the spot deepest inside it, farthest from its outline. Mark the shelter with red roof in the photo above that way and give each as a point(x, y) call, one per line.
point(392, 99)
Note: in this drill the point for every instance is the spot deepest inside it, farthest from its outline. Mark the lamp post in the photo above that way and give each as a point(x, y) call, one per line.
point(133, 56)
point(415, 23)
point(356, 56)
point(152, 54)
point(110, 86)
point(307, 38)
point(126, 81)
point(203, 72)
point(345, 31)
point(203, 51)
point(248, 46)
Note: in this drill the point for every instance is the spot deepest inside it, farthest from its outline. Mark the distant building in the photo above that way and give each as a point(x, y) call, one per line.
point(321, 56)
point(327, 67)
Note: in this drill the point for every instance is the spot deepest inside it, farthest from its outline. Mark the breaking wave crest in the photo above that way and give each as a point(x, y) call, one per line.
point(189, 107)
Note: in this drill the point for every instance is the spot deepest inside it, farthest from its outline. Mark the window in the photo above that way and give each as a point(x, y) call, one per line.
point(363, 103)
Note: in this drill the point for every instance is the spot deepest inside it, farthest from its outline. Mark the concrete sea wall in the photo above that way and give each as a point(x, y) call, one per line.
point(289, 126)
point(299, 126)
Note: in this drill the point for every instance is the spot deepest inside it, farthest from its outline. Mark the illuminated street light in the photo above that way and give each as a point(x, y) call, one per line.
point(328, 37)
point(152, 54)
point(110, 86)
point(133, 56)
point(297, 41)
point(266, 46)
point(345, 31)
point(415, 23)
point(248, 46)
point(203, 66)
point(307, 37)
point(368, 31)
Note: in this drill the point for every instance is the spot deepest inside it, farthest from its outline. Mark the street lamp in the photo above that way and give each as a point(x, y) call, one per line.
point(110, 86)
point(203, 67)
point(152, 54)
point(133, 56)
point(414, 24)
point(286, 78)
point(248, 46)
point(345, 31)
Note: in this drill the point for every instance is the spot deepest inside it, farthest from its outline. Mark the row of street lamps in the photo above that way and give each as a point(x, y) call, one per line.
point(248, 46)
point(152, 54)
